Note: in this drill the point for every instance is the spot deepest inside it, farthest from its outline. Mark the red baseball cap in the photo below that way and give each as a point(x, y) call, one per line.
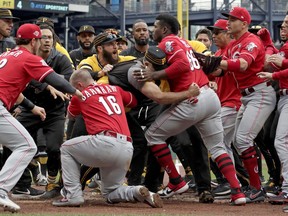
point(239, 13)
point(29, 31)
point(219, 24)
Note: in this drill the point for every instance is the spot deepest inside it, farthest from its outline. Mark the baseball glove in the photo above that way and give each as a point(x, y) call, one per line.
point(209, 63)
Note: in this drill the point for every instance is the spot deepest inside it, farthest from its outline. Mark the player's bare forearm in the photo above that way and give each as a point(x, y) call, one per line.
point(20, 98)
point(152, 91)
point(143, 75)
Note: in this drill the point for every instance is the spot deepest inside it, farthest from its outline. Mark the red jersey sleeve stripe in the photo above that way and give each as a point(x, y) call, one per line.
point(131, 99)
point(45, 74)
point(174, 54)
point(71, 113)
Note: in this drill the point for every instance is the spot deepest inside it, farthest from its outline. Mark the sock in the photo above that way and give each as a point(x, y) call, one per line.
point(227, 168)
point(164, 158)
point(249, 159)
point(51, 179)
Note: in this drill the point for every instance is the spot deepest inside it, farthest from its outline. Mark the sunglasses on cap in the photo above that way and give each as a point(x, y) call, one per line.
point(110, 38)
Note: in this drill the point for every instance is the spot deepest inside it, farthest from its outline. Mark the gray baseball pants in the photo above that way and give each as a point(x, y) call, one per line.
point(15, 137)
point(112, 155)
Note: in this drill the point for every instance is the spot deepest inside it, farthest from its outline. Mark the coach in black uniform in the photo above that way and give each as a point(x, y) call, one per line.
point(85, 39)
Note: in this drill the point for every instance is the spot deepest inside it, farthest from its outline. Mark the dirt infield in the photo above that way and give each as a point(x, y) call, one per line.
point(185, 204)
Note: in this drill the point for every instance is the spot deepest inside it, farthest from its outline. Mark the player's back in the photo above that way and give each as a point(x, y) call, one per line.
point(103, 108)
point(175, 49)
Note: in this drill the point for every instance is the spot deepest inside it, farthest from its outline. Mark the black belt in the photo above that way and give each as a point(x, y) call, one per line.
point(250, 90)
point(283, 92)
point(117, 135)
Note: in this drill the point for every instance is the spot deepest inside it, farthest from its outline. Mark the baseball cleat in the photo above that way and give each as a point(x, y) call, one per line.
point(285, 209)
point(281, 199)
point(64, 202)
point(237, 197)
point(171, 189)
point(27, 193)
point(8, 204)
point(206, 197)
point(150, 198)
point(254, 195)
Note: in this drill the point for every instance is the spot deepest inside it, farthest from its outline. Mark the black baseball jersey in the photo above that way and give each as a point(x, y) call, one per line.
point(132, 51)
point(77, 55)
point(36, 91)
point(6, 44)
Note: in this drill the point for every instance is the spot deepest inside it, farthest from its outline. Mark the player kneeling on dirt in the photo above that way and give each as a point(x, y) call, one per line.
point(108, 145)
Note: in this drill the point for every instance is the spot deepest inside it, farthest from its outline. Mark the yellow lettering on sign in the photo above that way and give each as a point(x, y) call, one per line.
point(7, 4)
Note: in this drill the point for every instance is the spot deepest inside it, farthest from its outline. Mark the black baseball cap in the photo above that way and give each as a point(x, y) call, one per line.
point(46, 21)
point(254, 29)
point(86, 28)
point(155, 56)
point(104, 38)
point(7, 14)
point(123, 38)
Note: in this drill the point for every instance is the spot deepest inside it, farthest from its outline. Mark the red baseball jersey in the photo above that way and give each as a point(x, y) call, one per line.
point(283, 51)
point(17, 68)
point(228, 92)
point(250, 48)
point(184, 68)
point(102, 108)
point(282, 75)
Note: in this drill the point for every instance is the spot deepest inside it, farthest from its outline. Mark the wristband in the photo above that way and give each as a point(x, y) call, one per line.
point(233, 65)
point(27, 104)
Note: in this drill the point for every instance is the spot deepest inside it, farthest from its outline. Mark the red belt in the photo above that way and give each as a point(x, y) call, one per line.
point(283, 92)
point(117, 135)
point(250, 90)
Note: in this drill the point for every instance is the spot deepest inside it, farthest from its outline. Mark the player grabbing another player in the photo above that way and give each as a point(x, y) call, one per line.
point(108, 145)
point(183, 70)
point(17, 68)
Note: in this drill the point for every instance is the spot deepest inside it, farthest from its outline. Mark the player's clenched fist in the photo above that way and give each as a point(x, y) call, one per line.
point(107, 68)
point(276, 59)
point(39, 111)
point(194, 90)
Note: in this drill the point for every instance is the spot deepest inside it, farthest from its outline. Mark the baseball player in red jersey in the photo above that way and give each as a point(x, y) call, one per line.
point(246, 57)
point(280, 60)
point(227, 91)
point(108, 145)
point(281, 132)
point(17, 68)
point(204, 113)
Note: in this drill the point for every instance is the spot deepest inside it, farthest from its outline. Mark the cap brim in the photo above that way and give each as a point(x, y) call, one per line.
point(229, 15)
point(86, 32)
point(111, 40)
point(211, 28)
point(9, 17)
